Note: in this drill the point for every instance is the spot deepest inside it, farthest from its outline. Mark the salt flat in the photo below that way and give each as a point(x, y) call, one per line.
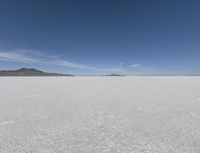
point(100, 114)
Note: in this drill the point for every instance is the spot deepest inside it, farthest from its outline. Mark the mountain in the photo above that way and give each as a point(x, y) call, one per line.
point(29, 72)
point(116, 75)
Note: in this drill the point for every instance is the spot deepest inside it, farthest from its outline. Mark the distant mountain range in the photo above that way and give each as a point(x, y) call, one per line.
point(29, 72)
point(35, 72)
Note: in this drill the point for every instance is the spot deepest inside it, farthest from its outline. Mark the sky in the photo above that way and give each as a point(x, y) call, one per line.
point(132, 37)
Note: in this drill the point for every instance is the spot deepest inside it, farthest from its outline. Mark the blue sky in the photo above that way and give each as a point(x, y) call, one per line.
point(101, 37)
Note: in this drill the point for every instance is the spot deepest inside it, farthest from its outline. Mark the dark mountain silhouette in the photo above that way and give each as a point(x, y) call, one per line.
point(29, 72)
point(114, 74)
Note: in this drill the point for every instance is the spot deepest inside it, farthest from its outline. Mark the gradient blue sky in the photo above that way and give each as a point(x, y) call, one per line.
point(101, 36)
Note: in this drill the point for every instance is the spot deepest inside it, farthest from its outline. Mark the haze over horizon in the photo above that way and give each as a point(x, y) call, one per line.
point(129, 37)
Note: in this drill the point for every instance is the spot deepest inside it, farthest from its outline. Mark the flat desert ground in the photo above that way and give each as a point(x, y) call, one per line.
point(100, 114)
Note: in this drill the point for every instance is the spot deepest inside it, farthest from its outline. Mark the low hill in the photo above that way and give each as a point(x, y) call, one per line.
point(116, 74)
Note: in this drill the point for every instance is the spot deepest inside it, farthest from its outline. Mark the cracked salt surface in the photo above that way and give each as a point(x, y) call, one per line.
point(100, 115)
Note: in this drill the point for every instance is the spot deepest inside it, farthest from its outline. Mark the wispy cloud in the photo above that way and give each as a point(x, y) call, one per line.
point(140, 69)
point(65, 63)
point(35, 57)
point(135, 65)
point(25, 56)
point(15, 57)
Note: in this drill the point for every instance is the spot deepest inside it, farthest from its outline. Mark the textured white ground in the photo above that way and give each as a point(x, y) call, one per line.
point(100, 115)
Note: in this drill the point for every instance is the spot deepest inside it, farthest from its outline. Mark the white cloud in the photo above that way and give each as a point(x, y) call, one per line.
point(140, 69)
point(34, 57)
point(15, 57)
point(135, 65)
point(68, 64)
